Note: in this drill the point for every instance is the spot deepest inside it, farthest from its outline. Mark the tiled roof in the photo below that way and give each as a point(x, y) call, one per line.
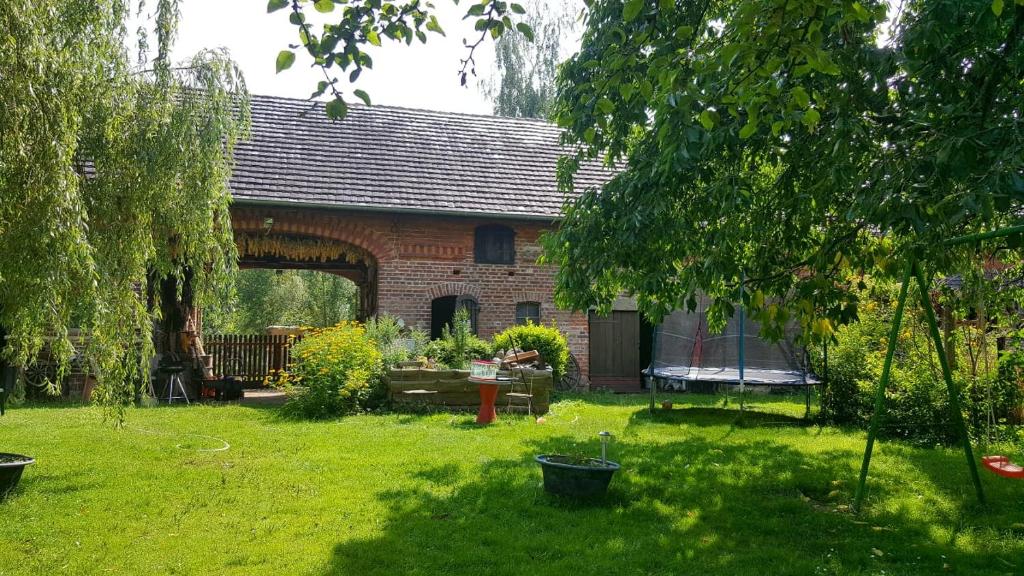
point(396, 159)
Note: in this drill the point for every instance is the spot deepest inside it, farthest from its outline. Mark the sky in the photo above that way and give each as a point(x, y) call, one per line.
point(416, 76)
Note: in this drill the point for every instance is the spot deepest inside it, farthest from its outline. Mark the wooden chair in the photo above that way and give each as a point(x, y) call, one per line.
point(526, 385)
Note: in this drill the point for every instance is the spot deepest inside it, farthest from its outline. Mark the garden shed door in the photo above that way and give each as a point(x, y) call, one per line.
point(615, 351)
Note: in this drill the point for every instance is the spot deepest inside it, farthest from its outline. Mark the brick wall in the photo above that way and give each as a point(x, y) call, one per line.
point(420, 258)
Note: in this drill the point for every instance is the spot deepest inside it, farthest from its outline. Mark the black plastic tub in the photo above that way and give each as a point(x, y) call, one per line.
point(11, 467)
point(578, 478)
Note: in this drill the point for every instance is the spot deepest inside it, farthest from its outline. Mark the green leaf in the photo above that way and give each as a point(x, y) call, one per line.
point(285, 59)
point(997, 7)
point(811, 118)
point(606, 105)
point(800, 97)
point(518, 9)
point(777, 127)
point(324, 6)
point(707, 120)
point(362, 95)
point(632, 9)
point(275, 5)
point(748, 129)
point(434, 26)
point(525, 29)
point(589, 135)
point(626, 91)
point(337, 109)
point(666, 5)
point(373, 38)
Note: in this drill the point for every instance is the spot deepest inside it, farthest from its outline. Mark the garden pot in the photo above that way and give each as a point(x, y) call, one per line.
point(581, 478)
point(11, 467)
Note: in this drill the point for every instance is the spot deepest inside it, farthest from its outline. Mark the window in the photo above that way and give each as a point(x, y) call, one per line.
point(495, 244)
point(442, 313)
point(528, 312)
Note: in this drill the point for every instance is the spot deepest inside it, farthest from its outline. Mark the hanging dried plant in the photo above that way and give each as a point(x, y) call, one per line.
point(299, 249)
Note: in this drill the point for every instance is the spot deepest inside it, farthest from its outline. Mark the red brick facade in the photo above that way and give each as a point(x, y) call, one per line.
point(420, 258)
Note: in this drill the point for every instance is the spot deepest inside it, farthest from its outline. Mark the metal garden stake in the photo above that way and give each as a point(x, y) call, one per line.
point(604, 446)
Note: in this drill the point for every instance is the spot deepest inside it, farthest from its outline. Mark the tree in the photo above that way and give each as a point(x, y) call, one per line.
point(113, 178)
point(258, 298)
point(523, 85)
point(329, 298)
point(773, 151)
point(344, 43)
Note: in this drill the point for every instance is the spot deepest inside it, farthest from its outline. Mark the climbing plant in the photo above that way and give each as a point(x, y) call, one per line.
point(113, 175)
point(773, 151)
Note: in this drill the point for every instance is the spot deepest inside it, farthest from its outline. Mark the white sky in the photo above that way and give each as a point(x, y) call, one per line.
point(416, 76)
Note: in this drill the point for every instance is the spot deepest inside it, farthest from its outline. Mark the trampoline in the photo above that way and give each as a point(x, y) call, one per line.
point(686, 353)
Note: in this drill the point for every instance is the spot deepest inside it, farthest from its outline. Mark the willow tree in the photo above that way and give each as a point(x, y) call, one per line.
point(113, 178)
point(522, 84)
point(773, 151)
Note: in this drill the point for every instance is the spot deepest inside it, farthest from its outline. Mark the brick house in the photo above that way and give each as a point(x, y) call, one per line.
point(441, 210)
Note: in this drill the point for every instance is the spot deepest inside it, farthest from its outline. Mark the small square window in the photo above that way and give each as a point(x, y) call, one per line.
point(495, 244)
point(528, 312)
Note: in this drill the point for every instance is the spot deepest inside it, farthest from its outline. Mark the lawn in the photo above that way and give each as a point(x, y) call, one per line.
point(411, 494)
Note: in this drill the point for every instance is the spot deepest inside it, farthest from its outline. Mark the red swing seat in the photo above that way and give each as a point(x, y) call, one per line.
point(1001, 465)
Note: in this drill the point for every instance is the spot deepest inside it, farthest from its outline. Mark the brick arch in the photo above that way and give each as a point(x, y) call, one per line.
point(329, 227)
point(528, 296)
point(454, 289)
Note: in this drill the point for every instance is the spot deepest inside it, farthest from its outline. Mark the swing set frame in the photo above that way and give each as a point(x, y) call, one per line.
point(913, 271)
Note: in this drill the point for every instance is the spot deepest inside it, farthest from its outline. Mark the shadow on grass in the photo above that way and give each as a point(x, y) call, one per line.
point(711, 416)
point(680, 507)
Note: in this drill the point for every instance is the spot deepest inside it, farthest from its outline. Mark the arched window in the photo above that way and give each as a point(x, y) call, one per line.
point(442, 313)
point(528, 312)
point(495, 244)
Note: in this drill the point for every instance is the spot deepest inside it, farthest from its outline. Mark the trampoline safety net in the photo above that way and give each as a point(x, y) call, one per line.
point(685, 351)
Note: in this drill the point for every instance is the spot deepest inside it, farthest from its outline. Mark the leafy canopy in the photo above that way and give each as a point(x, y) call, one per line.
point(344, 44)
point(113, 176)
point(774, 151)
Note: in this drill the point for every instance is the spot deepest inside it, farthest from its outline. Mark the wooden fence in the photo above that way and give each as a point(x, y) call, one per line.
point(249, 358)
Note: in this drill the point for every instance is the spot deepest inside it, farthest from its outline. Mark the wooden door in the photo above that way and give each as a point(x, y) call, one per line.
point(615, 351)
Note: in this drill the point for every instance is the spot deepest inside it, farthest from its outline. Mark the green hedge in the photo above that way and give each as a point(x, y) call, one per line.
point(548, 340)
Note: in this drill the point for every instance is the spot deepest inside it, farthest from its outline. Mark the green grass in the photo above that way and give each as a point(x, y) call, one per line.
point(407, 494)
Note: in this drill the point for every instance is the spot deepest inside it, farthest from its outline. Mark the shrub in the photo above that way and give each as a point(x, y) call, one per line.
point(917, 401)
point(547, 340)
point(443, 351)
point(335, 371)
point(395, 342)
point(458, 345)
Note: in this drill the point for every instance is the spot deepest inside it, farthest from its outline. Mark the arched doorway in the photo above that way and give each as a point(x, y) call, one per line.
point(442, 313)
point(302, 252)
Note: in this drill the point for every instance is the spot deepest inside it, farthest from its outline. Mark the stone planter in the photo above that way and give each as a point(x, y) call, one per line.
point(11, 467)
point(579, 478)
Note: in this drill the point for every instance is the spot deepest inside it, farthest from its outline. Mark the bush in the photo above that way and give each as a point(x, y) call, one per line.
point(335, 371)
point(458, 345)
point(917, 401)
point(395, 342)
point(444, 353)
point(547, 340)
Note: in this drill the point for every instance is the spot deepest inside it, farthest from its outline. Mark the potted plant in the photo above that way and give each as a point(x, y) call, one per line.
point(11, 467)
point(578, 476)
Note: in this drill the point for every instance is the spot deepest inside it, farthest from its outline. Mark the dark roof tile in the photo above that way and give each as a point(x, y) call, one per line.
point(386, 158)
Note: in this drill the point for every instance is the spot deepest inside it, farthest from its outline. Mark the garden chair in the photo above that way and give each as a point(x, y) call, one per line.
point(520, 389)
